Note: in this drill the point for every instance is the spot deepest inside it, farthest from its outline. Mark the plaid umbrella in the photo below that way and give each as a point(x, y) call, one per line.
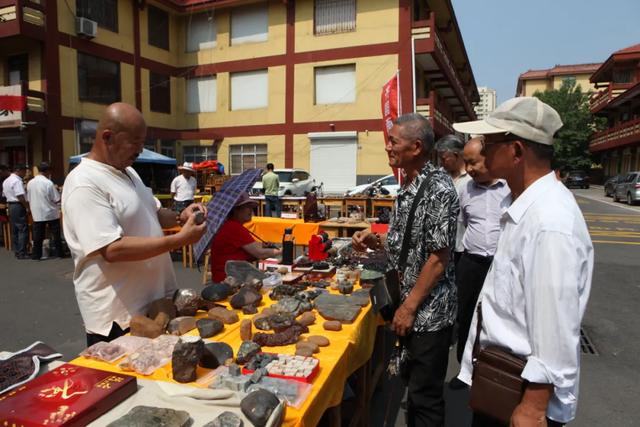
point(221, 204)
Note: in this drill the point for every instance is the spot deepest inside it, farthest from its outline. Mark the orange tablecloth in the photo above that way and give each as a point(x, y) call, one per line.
point(349, 349)
point(271, 229)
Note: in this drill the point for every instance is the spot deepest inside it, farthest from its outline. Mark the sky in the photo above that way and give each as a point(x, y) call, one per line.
point(505, 38)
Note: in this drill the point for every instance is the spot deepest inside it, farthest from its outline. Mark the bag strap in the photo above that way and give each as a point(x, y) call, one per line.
point(406, 239)
point(476, 343)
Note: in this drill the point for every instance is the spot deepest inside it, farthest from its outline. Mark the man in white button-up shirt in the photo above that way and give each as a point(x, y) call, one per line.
point(44, 200)
point(536, 291)
point(18, 209)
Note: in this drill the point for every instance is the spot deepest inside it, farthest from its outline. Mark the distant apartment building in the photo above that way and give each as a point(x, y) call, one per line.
point(617, 99)
point(552, 78)
point(487, 102)
point(294, 83)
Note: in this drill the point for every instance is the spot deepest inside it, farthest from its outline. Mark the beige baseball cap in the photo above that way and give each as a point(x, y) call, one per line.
point(524, 116)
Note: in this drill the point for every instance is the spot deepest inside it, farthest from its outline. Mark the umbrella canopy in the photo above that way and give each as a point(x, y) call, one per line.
point(221, 204)
point(147, 156)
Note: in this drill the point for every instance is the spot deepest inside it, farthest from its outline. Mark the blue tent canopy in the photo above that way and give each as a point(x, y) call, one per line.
point(147, 156)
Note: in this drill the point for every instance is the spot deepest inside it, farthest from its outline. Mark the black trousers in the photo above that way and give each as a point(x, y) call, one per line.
point(484, 421)
point(116, 331)
point(272, 206)
point(427, 368)
point(39, 228)
point(19, 228)
point(471, 271)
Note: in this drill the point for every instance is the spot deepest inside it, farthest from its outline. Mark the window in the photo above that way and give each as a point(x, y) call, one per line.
point(249, 24)
point(159, 92)
point(335, 85)
point(98, 79)
point(201, 31)
point(18, 67)
point(249, 156)
point(104, 12)
point(168, 147)
point(86, 135)
point(198, 153)
point(158, 27)
point(201, 94)
point(250, 90)
point(334, 16)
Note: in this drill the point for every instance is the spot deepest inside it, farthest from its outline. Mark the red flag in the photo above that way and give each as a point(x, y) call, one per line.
point(391, 109)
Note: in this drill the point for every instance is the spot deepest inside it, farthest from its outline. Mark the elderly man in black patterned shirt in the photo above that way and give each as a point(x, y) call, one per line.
point(428, 310)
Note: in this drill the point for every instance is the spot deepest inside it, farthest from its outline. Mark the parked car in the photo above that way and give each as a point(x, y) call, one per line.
point(293, 182)
point(610, 185)
point(578, 179)
point(389, 183)
point(628, 189)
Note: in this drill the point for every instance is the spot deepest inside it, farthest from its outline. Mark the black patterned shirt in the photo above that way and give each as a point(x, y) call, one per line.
point(434, 228)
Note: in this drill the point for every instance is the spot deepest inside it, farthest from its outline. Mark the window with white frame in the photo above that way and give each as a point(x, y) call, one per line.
point(201, 31)
point(249, 24)
point(202, 94)
point(168, 147)
point(249, 90)
point(247, 156)
point(198, 153)
point(335, 84)
point(334, 16)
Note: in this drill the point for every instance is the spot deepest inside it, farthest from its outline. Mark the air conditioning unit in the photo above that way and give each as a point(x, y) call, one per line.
point(86, 27)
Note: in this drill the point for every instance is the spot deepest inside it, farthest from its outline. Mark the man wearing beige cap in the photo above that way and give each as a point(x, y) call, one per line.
point(536, 291)
point(183, 187)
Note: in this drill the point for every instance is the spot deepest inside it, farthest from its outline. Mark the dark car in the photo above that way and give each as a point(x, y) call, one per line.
point(577, 179)
point(610, 185)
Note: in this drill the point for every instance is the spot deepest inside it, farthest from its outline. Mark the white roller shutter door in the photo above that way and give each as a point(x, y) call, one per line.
point(333, 160)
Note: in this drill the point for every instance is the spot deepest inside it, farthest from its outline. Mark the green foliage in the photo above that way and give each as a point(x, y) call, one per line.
point(571, 146)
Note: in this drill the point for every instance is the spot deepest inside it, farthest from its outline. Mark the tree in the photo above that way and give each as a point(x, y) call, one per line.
point(571, 146)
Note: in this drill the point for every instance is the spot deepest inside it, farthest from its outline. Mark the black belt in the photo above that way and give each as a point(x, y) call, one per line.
point(479, 258)
point(14, 203)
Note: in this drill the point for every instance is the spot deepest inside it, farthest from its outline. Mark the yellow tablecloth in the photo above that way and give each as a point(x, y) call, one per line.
point(271, 229)
point(349, 349)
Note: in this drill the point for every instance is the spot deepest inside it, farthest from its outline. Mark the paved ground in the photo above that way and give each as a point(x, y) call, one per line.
point(38, 303)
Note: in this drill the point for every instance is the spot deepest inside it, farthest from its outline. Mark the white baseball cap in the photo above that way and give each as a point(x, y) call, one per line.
point(524, 116)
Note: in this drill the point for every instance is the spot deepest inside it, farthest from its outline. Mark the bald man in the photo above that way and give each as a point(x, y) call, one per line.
point(481, 202)
point(114, 229)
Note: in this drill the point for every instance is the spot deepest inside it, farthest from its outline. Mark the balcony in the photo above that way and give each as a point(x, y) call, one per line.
point(437, 111)
point(601, 99)
point(623, 134)
point(19, 105)
point(22, 17)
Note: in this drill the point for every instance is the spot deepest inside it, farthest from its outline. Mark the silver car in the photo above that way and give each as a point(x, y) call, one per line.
point(293, 182)
point(628, 189)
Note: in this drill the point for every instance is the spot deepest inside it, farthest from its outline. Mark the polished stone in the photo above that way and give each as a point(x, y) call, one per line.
point(149, 416)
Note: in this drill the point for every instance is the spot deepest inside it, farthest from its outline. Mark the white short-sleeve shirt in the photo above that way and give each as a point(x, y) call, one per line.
point(12, 187)
point(43, 199)
point(101, 204)
point(184, 189)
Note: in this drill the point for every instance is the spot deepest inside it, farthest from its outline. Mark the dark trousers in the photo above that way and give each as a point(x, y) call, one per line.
point(180, 206)
point(19, 228)
point(427, 368)
point(484, 421)
point(471, 271)
point(39, 228)
point(116, 331)
point(272, 205)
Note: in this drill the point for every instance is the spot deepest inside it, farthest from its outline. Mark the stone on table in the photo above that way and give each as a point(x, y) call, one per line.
point(187, 301)
point(360, 297)
point(258, 406)
point(246, 352)
point(247, 295)
point(319, 340)
point(142, 326)
point(285, 337)
point(338, 307)
point(307, 318)
point(215, 354)
point(304, 351)
point(223, 314)
point(216, 292)
point(149, 416)
point(309, 345)
point(185, 358)
point(332, 325)
point(209, 327)
point(243, 271)
point(181, 325)
point(281, 321)
point(249, 309)
point(226, 419)
point(345, 287)
point(162, 305)
point(246, 330)
point(235, 370)
point(292, 305)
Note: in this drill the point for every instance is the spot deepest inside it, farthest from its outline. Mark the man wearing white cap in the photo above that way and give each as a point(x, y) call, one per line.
point(183, 187)
point(536, 291)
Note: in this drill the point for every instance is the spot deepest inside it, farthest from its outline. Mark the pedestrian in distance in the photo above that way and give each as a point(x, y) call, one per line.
point(535, 293)
point(427, 312)
point(271, 186)
point(44, 200)
point(183, 187)
point(18, 207)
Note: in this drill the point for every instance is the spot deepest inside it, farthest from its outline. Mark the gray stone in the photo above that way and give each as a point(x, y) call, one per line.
point(243, 271)
point(247, 350)
point(216, 292)
point(185, 358)
point(215, 354)
point(257, 375)
point(258, 406)
point(249, 309)
point(226, 419)
point(338, 307)
point(370, 276)
point(235, 370)
point(209, 327)
point(291, 305)
point(345, 287)
point(181, 325)
point(247, 295)
point(360, 297)
point(149, 416)
point(187, 301)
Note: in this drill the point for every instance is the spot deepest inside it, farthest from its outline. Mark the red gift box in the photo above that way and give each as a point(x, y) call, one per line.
point(66, 396)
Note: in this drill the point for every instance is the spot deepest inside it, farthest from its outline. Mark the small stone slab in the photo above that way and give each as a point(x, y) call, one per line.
point(319, 340)
point(337, 307)
point(149, 416)
point(209, 327)
point(304, 351)
point(226, 419)
point(308, 344)
point(243, 271)
point(223, 314)
point(258, 406)
point(361, 297)
point(332, 325)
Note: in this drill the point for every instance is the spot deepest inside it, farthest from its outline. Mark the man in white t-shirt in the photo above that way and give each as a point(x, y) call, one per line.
point(183, 187)
point(18, 209)
point(44, 200)
point(114, 229)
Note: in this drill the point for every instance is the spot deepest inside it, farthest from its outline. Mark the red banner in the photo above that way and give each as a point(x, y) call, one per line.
point(391, 109)
point(12, 103)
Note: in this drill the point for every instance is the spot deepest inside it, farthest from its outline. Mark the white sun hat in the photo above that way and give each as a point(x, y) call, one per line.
point(187, 166)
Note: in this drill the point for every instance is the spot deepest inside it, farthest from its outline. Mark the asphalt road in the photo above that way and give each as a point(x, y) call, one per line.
point(38, 303)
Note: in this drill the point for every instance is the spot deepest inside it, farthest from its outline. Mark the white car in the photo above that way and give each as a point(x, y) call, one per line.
point(389, 183)
point(293, 182)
